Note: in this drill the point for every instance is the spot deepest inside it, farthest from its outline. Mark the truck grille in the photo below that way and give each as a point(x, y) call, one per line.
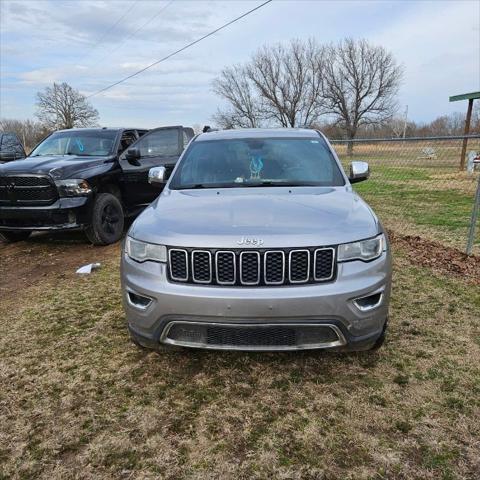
point(251, 267)
point(27, 190)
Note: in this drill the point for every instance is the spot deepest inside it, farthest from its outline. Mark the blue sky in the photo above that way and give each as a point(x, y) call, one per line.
point(77, 41)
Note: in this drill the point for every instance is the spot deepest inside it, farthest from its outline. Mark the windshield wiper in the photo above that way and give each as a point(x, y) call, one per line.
point(81, 154)
point(273, 183)
point(47, 155)
point(204, 185)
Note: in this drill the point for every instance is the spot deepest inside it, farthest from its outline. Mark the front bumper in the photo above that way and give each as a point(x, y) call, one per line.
point(329, 305)
point(64, 214)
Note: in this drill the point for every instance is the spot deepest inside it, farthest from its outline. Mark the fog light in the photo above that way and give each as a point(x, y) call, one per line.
point(369, 302)
point(139, 301)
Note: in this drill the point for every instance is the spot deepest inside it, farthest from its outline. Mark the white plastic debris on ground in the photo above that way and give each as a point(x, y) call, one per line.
point(87, 269)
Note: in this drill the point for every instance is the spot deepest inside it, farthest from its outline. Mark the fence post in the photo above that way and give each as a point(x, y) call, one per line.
point(473, 221)
point(467, 131)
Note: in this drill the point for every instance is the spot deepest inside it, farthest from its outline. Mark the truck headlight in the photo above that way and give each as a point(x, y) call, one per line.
point(364, 250)
point(73, 187)
point(143, 251)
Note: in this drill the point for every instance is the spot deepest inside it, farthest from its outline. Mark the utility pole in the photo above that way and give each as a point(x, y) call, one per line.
point(405, 121)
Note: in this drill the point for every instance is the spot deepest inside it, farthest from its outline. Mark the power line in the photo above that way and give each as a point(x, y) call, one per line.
point(180, 49)
point(111, 28)
point(133, 33)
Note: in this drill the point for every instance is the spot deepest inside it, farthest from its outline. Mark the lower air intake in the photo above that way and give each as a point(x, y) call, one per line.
point(252, 336)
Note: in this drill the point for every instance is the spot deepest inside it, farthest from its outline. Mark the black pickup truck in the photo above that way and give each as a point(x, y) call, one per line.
point(88, 179)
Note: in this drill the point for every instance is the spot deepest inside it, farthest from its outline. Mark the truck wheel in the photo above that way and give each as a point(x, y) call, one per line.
point(11, 237)
point(107, 220)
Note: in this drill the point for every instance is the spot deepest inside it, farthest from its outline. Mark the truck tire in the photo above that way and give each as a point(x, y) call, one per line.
point(107, 220)
point(11, 237)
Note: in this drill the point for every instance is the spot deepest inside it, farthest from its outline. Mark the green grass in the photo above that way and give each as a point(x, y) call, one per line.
point(411, 199)
point(411, 194)
point(435, 208)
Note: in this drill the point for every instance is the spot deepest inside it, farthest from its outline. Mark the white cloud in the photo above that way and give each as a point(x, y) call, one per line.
point(440, 49)
point(55, 40)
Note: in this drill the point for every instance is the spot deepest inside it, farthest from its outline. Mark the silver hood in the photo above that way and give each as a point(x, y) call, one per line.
point(279, 216)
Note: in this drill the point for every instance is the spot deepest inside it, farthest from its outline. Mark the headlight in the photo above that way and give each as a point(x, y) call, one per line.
point(73, 187)
point(363, 250)
point(142, 251)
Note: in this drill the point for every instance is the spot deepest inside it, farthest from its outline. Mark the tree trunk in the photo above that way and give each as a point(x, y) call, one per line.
point(351, 136)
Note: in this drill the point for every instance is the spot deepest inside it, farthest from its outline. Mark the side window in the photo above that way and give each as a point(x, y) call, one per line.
point(159, 143)
point(128, 137)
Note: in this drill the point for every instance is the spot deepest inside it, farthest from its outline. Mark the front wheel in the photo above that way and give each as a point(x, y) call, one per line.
point(12, 237)
point(107, 220)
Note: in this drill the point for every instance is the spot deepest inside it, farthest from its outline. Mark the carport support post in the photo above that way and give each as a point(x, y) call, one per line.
point(473, 221)
point(467, 131)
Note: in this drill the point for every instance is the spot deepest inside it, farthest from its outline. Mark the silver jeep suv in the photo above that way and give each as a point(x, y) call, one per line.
point(257, 242)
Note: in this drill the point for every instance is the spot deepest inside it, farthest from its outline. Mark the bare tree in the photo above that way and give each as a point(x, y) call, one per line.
point(289, 82)
point(61, 106)
point(244, 108)
point(395, 126)
point(279, 85)
point(28, 131)
point(361, 84)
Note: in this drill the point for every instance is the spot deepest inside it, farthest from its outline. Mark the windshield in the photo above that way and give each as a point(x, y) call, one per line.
point(77, 142)
point(257, 162)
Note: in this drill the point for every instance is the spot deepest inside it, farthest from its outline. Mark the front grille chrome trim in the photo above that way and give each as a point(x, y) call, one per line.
point(209, 266)
point(178, 279)
point(234, 267)
point(265, 255)
point(307, 278)
point(341, 341)
point(249, 252)
point(229, 267)
point(332, 270)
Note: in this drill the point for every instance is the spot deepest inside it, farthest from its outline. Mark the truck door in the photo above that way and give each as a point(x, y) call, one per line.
point(159, 147)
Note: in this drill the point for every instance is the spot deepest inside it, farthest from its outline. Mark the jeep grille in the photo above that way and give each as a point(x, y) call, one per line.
point(251, 267)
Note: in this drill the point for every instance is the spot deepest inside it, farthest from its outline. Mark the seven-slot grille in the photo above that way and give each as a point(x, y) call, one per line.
point(251, 267)
point(24, 190)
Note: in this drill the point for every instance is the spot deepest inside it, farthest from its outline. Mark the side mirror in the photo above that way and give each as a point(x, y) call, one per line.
point(359, 171)
point(9, 155)
point(132, 156)
point(157, 175)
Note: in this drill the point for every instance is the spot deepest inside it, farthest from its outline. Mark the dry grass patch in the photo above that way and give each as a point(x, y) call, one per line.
point(78, 400)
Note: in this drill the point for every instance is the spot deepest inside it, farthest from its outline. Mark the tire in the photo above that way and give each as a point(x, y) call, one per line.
point(107, 220)
point(381, 339)
point(12, 237)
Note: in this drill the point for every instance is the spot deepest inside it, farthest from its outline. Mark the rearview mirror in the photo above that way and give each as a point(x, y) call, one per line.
point(157, 175)
point(359, 171)
point(132, 156)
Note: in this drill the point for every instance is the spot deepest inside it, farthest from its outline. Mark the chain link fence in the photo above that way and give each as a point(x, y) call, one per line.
point(418, 186)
